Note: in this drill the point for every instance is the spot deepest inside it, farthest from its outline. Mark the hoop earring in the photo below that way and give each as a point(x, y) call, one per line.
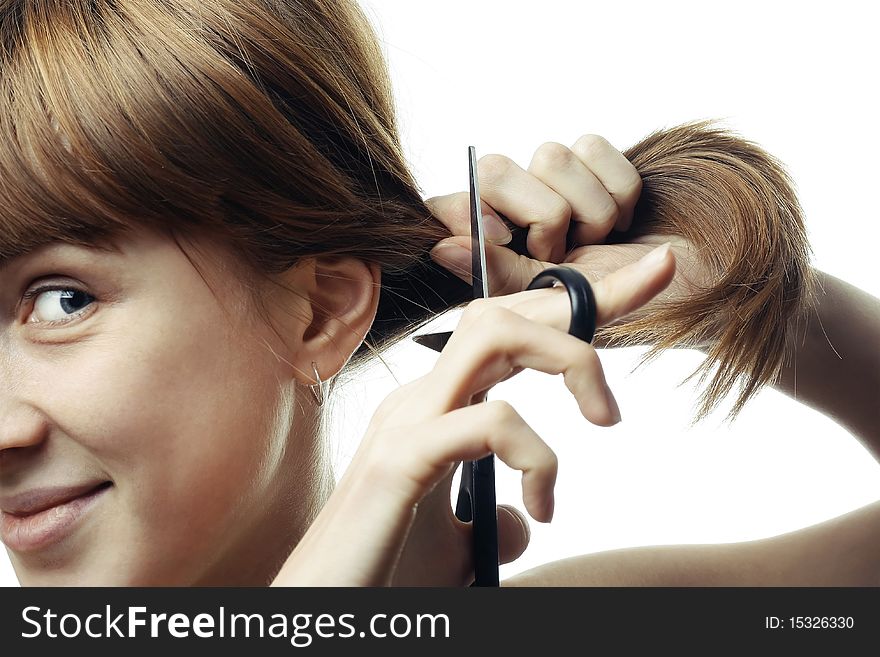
point(319, 389)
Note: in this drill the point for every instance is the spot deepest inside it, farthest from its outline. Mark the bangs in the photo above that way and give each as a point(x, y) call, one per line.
point(120, 115)
point(64, 175)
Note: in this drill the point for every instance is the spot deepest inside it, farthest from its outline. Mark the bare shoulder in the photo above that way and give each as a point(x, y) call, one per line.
point(842, 551)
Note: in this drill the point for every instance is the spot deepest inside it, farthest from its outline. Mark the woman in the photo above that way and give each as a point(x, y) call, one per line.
point(205, 212)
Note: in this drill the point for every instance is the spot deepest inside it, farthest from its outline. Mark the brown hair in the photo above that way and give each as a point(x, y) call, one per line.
point(270, 126)
point(737, 206)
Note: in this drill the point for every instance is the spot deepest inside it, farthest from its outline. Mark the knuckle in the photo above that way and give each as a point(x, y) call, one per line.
point(501, 413)
point(460, 205)
point(584, 361)
point(492, 168)
point(590, 147)
point(382, 457)
point(489, 323)
point(496, 317)
point(494, 323)
point(475, 309)
point(386, 406)
point(555, 213)
point(395, 401)
point(480, 308)
point(552, 462)
point(385, 411)
point(393, 398)
point(585, 353)
point(551, 156)
point(632, 185)
point(606, 213)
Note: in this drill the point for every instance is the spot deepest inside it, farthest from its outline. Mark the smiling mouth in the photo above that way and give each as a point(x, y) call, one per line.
point(37, 530)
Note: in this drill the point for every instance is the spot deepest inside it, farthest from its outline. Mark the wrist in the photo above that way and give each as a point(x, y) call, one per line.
point(357, 537)
point(832, 364)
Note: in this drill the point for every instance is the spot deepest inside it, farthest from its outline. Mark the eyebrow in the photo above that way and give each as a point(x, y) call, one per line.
point(104, 246)
point(8, 261)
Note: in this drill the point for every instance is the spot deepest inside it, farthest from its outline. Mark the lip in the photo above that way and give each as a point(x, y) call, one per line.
point(37, 519)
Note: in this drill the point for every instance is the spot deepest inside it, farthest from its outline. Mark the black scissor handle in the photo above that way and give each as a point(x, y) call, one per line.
point(580, 293)
point(476, 504)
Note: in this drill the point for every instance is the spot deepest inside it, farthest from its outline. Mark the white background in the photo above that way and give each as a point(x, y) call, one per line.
point(799, 79)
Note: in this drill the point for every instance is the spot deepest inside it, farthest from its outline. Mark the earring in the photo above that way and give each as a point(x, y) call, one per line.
point(319, 389)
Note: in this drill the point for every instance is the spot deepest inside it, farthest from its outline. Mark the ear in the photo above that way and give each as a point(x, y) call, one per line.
point(339, 303)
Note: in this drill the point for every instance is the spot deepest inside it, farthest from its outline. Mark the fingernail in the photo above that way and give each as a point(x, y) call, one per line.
point(495, 231)
point(449, 253)
point(653, 258)
point(612, 404)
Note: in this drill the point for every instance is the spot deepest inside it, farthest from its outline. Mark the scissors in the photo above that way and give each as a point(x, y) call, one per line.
point(476, 493)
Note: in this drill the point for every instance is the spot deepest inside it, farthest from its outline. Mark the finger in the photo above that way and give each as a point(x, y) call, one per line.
point(632, 286)
point(510, 273)
point(439, 547)
point(527, 202)
point(507, 271)
point(614, 171)
point(513, 533)
point(529, 329)
point(594, 211)
point(472, 432)
point(617, 294)
point(486, 349)
point(449, 540)
point(454, 212)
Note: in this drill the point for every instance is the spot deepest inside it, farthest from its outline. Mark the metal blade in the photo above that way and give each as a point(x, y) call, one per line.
point(479, 275)
point(435, 341)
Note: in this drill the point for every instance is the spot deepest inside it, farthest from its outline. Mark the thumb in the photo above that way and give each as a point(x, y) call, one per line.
point(617, 294)
point(513, 533)
point(507, 270)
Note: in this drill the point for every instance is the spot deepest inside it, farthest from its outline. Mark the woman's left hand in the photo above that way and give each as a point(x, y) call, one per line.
point(567, 196)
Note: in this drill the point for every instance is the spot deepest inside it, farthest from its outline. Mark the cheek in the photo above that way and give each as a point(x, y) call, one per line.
point(182, 418)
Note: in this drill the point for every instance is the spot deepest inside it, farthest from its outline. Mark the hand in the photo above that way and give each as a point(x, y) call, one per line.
point(566, 197)
point(570, 200)
point(743, 283)
point(580, 193)
point(424, 429)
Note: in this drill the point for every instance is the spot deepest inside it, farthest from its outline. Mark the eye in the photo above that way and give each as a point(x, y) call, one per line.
point(55, 305)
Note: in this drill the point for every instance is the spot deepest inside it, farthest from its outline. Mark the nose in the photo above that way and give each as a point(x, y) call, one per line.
point(21, 425)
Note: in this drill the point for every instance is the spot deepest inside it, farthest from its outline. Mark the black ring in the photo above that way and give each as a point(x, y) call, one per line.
point(583, 302)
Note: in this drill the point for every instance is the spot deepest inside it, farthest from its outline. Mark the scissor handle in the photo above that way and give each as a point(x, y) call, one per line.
point(580, 293)
point(476, 504)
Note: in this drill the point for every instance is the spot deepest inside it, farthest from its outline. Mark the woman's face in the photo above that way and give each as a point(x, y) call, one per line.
point(169, 420)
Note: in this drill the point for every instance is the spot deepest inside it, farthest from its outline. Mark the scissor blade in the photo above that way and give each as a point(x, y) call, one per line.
point(435, 341)
point(479, 276)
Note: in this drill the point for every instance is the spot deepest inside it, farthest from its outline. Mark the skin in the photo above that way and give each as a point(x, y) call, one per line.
point(425, 427)
point(252, 461)
point(188, 406)
point(834, 370)
point(151, 328)
point(255, 503)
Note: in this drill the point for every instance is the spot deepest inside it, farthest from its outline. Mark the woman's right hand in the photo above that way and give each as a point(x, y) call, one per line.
point(423, 429)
